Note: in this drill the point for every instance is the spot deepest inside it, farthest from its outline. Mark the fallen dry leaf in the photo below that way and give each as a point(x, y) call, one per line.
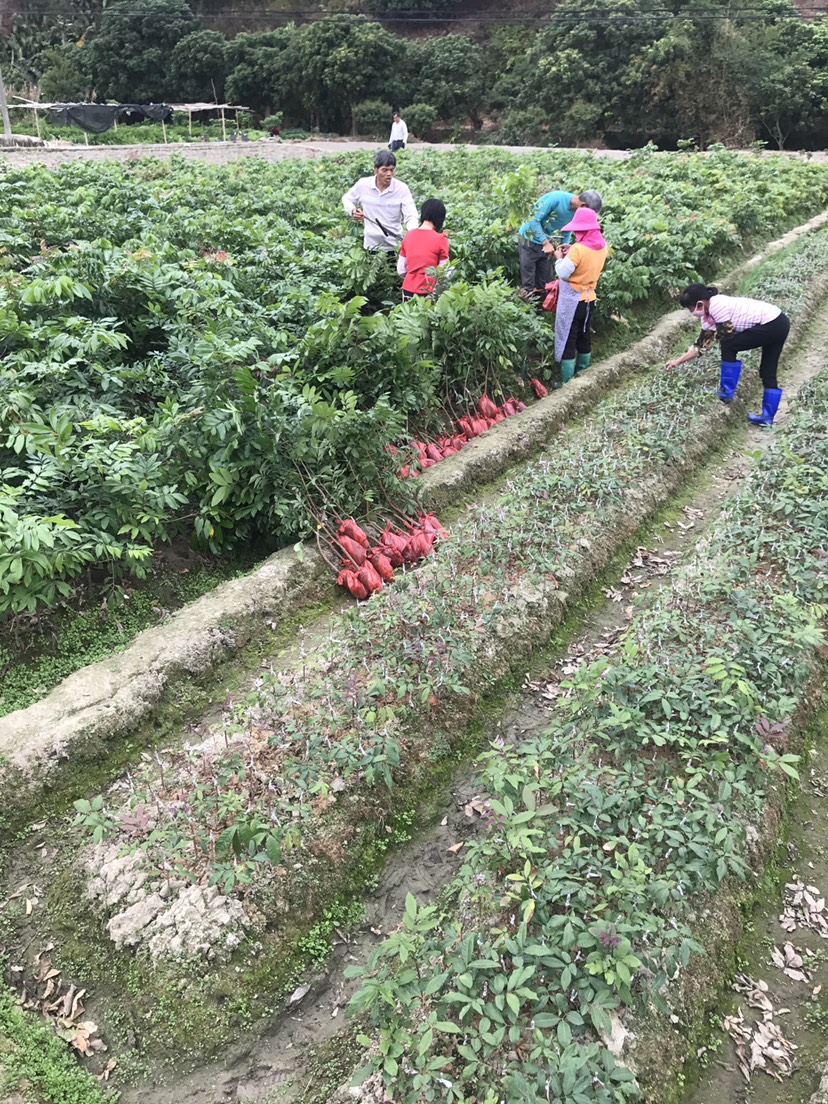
point(82, 1039)
point(107, 1070)
point(804, 907)
point(796, 975)
point(77, 1007)
point(69, 996)
point(761, 1045)
point(455, 847)
point(476, 805)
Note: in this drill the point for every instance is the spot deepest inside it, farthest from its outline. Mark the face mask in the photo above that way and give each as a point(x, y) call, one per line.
point(698, 312)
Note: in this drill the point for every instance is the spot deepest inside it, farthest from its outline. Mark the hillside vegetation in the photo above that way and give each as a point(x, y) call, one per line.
point(621, 72)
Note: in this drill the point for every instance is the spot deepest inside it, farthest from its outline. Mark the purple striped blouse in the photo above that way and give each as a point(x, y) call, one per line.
point(742, 313)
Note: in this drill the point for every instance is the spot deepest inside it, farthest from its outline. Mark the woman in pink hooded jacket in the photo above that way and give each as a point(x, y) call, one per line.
point(578, 272)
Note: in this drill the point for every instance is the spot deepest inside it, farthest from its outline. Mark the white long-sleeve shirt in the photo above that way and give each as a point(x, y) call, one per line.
point(399, 132)
point(394, 208)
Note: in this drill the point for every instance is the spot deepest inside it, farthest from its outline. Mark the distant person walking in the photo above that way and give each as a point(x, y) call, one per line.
point(399, 134)
point(383, 204)
point(578, 272)
point(535, 247)
point(423, 249)
point(738, 324)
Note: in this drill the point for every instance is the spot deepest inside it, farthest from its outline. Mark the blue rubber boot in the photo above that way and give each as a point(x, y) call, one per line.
point(731, 370)
point(582, 362)
point(567, 370)
point(770, 405)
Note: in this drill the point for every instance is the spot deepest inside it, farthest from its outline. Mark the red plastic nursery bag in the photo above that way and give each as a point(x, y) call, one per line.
point(550, 303)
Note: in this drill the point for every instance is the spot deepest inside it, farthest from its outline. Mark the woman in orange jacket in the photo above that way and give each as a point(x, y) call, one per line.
point(578, 272)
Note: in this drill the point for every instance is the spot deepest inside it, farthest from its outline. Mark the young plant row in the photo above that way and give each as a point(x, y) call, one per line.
point(186, 353)
point(604, 833)
point(315, 751)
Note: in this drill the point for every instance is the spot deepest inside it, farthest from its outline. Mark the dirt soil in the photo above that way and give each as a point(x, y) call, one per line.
point(274, 1067)
point(222, 153)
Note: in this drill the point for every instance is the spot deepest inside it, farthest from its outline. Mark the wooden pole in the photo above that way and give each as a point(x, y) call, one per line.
point(223, 127)
point(37, 121)
point(190, 118)
point(164, 128)
point(4, 109)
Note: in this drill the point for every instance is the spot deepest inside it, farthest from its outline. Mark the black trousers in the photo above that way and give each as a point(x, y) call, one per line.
point(397, 144)
point(535, 266)
point(580, 332)
point(769, 337)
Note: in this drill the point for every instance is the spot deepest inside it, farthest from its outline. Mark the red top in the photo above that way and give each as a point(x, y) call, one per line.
point(422, 249)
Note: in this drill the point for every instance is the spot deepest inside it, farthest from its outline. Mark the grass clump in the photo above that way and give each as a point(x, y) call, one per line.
point(38, 1065)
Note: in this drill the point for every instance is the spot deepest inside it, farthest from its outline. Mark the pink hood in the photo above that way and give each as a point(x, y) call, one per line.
point(586, 228)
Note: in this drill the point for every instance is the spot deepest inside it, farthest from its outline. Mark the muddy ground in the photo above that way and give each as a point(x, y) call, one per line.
point(279, 1064)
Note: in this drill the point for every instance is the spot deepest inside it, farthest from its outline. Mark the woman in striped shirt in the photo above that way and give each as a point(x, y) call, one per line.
point(738, 324)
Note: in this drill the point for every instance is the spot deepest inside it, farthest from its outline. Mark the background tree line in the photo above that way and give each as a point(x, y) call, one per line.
point(616, 71)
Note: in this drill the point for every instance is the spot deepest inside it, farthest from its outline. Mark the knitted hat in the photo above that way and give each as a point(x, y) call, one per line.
point(584, 219)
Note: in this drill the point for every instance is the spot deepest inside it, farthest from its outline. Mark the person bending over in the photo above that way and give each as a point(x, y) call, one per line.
point(738, 324)
point(535, 247)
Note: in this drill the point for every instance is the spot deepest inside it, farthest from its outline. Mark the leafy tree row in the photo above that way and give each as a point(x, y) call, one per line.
point(316, 75)
point(621, 71)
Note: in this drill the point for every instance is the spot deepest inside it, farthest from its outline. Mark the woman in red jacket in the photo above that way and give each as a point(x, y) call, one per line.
point(423, 249)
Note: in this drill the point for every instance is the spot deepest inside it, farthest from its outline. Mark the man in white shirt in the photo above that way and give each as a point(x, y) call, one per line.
point(382, 204)
point(399, 134)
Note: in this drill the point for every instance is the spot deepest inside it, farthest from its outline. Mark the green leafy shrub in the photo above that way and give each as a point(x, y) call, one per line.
point(481, 334)
point(179, 350)
point(524, 127)
point(420, 118)
point(373, 117)
point(34, 1060)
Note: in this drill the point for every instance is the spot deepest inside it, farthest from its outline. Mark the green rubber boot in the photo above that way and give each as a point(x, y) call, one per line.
point(583, 362)
point(567, 370)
